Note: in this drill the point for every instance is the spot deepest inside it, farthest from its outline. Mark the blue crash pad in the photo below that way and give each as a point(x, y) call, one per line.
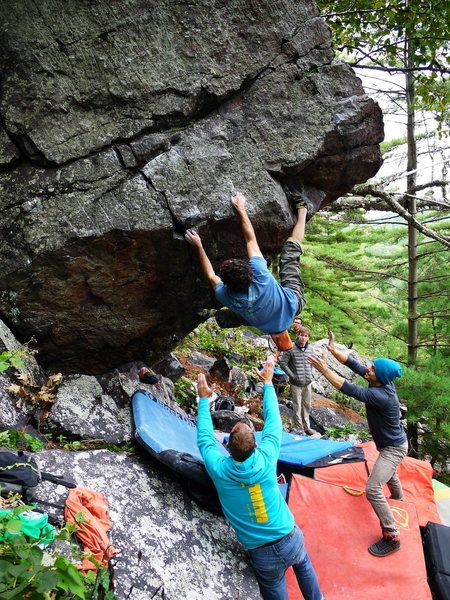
point(300, 450)
point(163, 431)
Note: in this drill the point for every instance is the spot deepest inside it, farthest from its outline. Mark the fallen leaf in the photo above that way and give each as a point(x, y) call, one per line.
point(54, 380)
point(25, 379)
point(45, 395)
point(14, 389)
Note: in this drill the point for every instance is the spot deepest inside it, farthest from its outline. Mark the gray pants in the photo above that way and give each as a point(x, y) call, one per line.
point(290, 273)
point(301, 399)
point(385, 472)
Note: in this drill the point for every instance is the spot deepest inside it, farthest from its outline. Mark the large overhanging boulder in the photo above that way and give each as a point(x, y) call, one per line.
point(123, 124)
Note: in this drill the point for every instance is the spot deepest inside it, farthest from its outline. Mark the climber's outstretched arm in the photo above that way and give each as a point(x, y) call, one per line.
point(194, 239)
point(238, 202)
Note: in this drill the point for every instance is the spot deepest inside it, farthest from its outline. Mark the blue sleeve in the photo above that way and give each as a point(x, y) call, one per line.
point(355, 366)
point(367, 395)
point(219, 290)
point(259, 268)
point(205, 435)
point(273, 428)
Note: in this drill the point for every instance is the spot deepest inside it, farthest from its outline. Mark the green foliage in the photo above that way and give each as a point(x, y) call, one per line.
point(356, 285)
point(341, 265)
point(207, 338)
point(394, 35)
point(75, 445)
point(389, 145)
point(224, 343)
point(185, 393)
point(24, 441)
point(347, 401)
point(12, 358)
point(10, 439)
point(425, 390)
point(343, 431)
point(32, 443)
point(26, 571)
point(20, 440)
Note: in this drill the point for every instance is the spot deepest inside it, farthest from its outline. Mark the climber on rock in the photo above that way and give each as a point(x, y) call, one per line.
point(248, 289)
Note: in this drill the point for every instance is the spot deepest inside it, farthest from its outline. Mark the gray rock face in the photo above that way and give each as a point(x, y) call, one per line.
point(162, 537)
point(170, 367)
point(11, 416)
point(14, 414)
point(328, 417)
point(83, 410)
point(85, 407)
point(327, 389)
point(126, 123)
point(8, 151)
point(201, 360)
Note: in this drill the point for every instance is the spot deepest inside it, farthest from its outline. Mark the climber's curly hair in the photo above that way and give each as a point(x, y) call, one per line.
point(236, 274)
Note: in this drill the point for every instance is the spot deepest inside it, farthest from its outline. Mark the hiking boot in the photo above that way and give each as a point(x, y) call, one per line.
point(387, 545)
point(296, 431)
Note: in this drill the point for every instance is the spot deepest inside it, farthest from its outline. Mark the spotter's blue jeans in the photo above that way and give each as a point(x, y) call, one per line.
point(271, 562)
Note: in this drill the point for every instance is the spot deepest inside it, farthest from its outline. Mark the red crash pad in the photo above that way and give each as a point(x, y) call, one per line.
point(338, 529)
point(415, 475)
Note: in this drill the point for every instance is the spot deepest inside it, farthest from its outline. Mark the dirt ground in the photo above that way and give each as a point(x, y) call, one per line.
point(222, 386)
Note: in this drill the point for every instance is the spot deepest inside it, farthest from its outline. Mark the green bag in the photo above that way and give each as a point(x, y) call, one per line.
point(33, 524)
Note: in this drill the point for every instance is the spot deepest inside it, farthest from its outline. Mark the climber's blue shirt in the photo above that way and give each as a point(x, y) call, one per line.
point(267, 305)
point(248, 491)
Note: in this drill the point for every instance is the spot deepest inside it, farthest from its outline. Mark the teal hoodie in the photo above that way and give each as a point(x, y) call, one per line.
point(248, 491)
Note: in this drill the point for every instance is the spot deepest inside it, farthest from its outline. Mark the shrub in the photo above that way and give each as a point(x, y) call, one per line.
point(28, 572)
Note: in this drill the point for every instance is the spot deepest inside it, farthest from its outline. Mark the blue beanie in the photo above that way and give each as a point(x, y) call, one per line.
point(386, 370)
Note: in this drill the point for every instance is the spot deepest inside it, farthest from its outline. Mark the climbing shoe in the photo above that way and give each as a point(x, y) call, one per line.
point(387, 545)
point(298, 200)
point(147, 376)
point(309, 198)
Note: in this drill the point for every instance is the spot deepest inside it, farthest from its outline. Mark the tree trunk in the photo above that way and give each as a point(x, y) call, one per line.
point(412, 235)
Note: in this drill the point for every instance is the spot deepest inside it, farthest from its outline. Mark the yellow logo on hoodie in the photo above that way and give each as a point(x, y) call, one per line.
point(257, 501)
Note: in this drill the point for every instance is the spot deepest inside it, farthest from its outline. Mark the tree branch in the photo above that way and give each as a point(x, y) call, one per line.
point(346, 267)
point(368, 203)
point(398, 208)
point(394, 70)
point(435, 183)
point(435, 313)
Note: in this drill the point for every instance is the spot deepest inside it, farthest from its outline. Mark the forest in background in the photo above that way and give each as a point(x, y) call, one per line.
point(376, 263)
